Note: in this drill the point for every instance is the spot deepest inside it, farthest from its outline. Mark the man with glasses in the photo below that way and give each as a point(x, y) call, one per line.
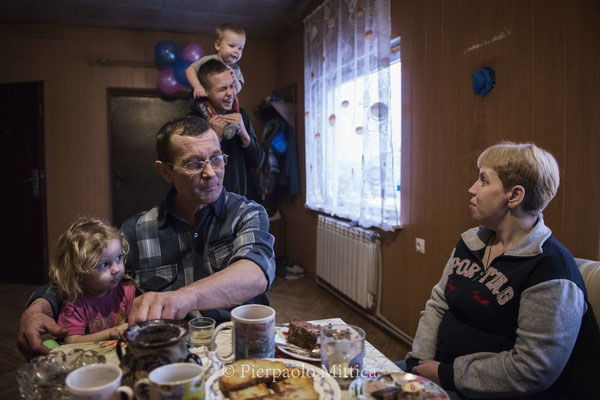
point(202, 249)
point(233, 128)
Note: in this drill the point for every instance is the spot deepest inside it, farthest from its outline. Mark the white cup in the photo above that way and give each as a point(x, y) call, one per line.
point(172, 381)
point(97, 382)
point(253, 327)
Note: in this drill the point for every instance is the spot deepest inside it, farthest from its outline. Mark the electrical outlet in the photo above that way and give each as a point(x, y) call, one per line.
point(420, 245)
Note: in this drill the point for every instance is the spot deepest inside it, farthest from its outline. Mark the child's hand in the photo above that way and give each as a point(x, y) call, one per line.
point(231, 71)
point(117, 331)
point(199, 92)
point(238, 85)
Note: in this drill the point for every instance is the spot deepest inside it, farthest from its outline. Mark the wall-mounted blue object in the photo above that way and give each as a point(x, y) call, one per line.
point(483, 81)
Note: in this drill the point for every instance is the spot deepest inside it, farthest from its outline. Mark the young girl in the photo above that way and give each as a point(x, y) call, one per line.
point(88, 271)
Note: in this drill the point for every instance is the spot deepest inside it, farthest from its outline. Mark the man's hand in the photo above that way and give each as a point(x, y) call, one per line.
point(236, 118)
point(218, 123)
point(154, 305)
point(428, 369)
point(37, 320)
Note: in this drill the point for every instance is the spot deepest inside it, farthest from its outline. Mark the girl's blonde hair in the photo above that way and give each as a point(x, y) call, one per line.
point(527, 165)
point(78, 252)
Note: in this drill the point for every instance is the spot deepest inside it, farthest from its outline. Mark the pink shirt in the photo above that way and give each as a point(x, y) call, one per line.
point(94, 314)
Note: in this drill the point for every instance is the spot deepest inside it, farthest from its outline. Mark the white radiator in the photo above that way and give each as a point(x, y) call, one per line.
point(348, 259)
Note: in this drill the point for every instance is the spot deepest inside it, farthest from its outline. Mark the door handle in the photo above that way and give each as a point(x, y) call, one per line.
point(35, 182)
point(119, 180)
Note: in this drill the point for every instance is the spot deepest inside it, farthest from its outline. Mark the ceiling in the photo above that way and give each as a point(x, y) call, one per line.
point(260, 18)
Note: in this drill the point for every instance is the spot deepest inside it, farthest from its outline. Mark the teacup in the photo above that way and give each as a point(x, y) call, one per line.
point(97, 382)
point(178, 381)
point(253, 327)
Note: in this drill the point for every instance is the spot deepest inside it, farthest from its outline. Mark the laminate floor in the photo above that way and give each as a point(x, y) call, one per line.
point(300, 299)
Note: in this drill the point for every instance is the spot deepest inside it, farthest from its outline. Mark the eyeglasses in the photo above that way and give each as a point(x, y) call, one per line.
point(199, 165)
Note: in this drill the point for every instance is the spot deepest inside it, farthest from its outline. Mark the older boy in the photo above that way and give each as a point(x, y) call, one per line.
point(245, 153)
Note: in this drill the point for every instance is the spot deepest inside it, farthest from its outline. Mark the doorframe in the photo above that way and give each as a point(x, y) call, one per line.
point(41, 159)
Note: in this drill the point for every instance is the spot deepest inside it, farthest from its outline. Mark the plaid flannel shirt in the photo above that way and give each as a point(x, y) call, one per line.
point(167, 253)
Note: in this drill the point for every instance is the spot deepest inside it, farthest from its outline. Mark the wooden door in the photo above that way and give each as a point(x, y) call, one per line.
point(23, 229)
point(134, 119)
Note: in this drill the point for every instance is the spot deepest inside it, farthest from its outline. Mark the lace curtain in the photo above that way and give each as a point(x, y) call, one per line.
point(352, 161)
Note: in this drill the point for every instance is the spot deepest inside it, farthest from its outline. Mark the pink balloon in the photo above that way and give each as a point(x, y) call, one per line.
point(166, 81)
point(192, 52)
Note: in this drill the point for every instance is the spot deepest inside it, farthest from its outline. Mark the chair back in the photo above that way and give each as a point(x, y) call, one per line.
point(590, 271)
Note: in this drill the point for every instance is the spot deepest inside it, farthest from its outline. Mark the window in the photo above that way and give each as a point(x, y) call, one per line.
point(353, 114)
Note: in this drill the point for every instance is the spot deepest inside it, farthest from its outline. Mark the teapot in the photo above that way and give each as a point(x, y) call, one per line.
point(151, 344)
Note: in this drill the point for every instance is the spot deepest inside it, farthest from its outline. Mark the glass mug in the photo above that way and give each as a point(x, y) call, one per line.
point(342, 352)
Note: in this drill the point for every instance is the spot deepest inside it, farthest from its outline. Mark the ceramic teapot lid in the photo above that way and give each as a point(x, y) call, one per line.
point(156, 333)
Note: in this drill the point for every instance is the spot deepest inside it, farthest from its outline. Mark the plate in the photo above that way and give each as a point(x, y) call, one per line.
point(325, 385)
point(361, 387)
point(281, 338)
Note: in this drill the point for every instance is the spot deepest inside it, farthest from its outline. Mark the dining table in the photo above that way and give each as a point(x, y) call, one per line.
point(374, 360)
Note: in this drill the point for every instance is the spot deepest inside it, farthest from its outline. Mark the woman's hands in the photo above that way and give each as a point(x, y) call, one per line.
point(428, 369)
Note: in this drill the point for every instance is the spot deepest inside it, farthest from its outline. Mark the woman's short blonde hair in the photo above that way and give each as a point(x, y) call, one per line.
point(78, 252)
point(527, 165)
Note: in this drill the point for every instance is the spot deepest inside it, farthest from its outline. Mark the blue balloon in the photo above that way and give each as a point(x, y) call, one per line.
point(179, 71)
point(166, 53)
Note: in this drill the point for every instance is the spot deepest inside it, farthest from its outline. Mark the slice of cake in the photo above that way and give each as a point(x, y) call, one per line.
point(303, 334)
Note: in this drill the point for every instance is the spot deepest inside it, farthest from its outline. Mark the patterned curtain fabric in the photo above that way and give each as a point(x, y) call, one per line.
point(352, 166)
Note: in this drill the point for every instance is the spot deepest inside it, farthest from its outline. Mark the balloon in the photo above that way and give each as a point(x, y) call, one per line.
point(179, 72)
point(192, 52)
point(166, 53)
point(166, 81)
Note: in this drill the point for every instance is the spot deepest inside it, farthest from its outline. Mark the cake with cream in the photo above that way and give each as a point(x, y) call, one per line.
point(303, 334)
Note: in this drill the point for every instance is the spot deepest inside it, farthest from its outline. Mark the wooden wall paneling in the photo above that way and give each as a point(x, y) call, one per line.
point(518, 80)
point(398, 290)
point(436, 144)
point(470, 135)
point(394, 283)
point(493, 50)
point(471, 105)
point(581, 192)
point(456, 169)
point(260, 76)
point(549, 93)
point(300, 222)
